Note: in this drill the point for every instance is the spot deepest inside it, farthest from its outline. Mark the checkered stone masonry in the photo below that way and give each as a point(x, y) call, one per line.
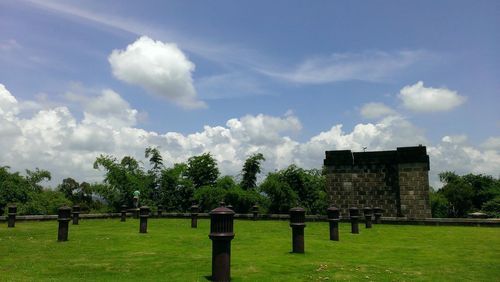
point(397, 181)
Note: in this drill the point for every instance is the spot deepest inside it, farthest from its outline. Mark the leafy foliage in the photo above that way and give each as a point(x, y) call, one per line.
point(250, 170)
point(202, 170)
point(296, 186)
point(468, 192)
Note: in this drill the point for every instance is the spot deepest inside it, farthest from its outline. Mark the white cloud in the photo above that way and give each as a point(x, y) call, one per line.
point(492, 143)
point(367, 66)
point(9, 106)
point(55, 140)
point(376, 110)
point(160, 68)
point(427, 99)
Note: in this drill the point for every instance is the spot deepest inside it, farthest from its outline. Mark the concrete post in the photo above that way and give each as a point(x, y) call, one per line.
point(255, 212)
point(221, 234)
point(160, 210)
point(367, 211)
point(354, 214)
point(297, 222)
point(123, 213)
point(377, 211)
point(11, 222)
point(76, 214)
point(144, 214)
point(194, 216)
point(333, 219)
point(63, 216)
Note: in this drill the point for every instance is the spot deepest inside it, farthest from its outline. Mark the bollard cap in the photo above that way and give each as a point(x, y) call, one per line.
point(12, 209)
point(221, 223)
point(367, 210)
point(144, 211)
point(255, 208)
point(377, 210)
point(194, 208)
point(160, 207)
point(353, 212)
point(333, 213)
point(76, 209)
point(230, 207)
point(297, 216)
point(64, 213)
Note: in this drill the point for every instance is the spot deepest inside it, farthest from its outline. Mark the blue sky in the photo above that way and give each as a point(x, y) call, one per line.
point(287, 78)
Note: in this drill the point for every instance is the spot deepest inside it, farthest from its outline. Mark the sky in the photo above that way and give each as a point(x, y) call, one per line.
point(288, 79)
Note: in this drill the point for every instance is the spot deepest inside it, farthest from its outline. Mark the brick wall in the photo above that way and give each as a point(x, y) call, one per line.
point(396, 181)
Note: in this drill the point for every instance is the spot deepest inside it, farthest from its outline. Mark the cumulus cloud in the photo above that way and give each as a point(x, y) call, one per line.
point(54, 139)
point(376, 110)
point(492, 143)
point(367, 66)
point(418, 98)
point(160, 68)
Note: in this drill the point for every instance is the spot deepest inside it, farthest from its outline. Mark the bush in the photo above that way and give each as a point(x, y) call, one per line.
point(44, 202)
point(439, 204)
point(242, 200)
point(492, 207)
point(209, 197)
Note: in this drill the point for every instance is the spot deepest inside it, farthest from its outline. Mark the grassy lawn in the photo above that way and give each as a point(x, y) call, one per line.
point(110, 250)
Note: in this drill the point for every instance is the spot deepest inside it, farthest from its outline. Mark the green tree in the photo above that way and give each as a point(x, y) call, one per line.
point(281, 195)
point(458, 193)
point(202, 170)
point(176, 189)
point(122, 178)
point(14, 188)
point(250, 170)
point(439, 204)
point(35, 177)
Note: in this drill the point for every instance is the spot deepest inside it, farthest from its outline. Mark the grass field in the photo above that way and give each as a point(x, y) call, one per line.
point(110, 250)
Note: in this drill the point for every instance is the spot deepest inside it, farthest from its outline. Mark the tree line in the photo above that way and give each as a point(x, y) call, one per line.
point(176, 188)
point(198, 180)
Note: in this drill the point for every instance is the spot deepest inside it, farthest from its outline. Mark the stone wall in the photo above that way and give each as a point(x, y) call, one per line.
point(396, 181)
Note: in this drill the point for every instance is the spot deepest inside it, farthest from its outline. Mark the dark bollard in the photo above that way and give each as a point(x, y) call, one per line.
point(124, 213)
point(221, 234)
point(354, 214)
point(12, 216)
point(378, 214)
point(160, 210)
point(297, 222)
point(255, 212)
point(333, 219)
point(194, 216)
point(63, 216)
point(76, 214)
point(144, 214)
point(367, 211)
point(230, 207)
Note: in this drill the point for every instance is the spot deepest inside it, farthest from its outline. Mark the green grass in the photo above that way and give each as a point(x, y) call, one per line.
point(110, 250)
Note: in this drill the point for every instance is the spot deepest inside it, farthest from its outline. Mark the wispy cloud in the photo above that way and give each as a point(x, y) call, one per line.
point(224, 54)
point(366, 66)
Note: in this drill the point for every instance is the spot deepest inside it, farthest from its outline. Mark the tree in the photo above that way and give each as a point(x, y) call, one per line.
point(156, 162)
point(14, 188)
point(202, 170)
point(294, 185)
point(35, 177)
point(176, 189)
point(250, 170)
point(123, 178)
point(468, 192)
point(282, 197)
point(458, 193)
point(68, 187)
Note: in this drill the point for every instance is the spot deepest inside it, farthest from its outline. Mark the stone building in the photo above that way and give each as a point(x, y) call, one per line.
point(396, 181)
